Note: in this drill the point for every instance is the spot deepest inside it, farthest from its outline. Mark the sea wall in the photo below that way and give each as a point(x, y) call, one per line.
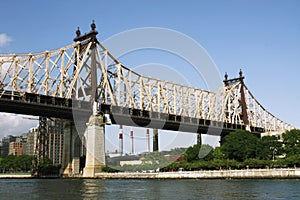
point(15, 176)
point(219, 174)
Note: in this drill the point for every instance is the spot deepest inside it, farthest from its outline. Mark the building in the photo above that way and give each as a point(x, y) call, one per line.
point(55, 133)
point(5, 145)
point(53, 144)
point(0, 148)
point(125, 160)
point(31, 141)
point(16, 148)
point(130, 162)
point(22, 138)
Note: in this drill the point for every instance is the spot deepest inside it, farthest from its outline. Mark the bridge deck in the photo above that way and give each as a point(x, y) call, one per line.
point(41, 105)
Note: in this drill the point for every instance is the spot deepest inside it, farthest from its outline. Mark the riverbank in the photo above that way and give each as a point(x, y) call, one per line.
point(220, 174)
point(16, 176)
point(284, 173)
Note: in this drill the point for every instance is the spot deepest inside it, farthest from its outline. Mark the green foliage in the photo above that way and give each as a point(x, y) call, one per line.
point(217, 154)
point(46, 168)
point(241, 145)
point(154, 157)
point(256, 163)
point(270, 146)
point(203, 165)
point(16, 163)
point(293, 161)
point(197, 152)
point(291, 141)
point(176, 151)
point(109, 169)
point(192, 153)
point(242, 150)
point(153, 161)
point(205, 152)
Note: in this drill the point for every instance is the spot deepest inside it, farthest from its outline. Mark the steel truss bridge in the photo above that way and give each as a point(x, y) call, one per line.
point(59, 83)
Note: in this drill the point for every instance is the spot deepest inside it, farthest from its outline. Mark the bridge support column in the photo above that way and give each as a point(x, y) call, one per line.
point(76, 150)
point(95, 146)
point(222, 136)
point(155, 140)
point(75, 165)
point(67, 149)
point(71, 150)
point(199, 139)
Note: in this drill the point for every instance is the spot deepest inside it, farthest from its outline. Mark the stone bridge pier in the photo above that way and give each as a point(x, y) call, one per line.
point(72, 150)
point(89, 139)
point(95, 146)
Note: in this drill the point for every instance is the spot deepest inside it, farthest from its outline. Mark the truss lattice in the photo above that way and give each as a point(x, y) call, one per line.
point(66, 73)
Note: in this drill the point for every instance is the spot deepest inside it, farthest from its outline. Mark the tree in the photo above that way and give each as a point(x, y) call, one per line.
point(155, 159)
point(2, 168)
point(192, 153)
point(293, 161)
point(241, 145)
point(218, 154)
point(177, 151)
point(291, 140)
point(198, 151)
point(205, 152)
point(25, 162)
point(46, 168)
point(270, 146)
point(16, 163)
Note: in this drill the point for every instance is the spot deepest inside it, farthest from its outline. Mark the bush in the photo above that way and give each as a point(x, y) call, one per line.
point(256, 163)
point(109, 169)
point(293, 161)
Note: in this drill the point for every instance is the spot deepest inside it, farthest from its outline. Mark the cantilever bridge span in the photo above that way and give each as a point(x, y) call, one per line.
point(84, 78)
point(55, 83)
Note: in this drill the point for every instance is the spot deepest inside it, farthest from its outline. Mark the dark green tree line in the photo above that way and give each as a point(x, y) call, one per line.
point(243, 149)
point(16, 163)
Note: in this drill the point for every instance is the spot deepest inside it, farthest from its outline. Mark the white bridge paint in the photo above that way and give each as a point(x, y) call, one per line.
point(66, 73)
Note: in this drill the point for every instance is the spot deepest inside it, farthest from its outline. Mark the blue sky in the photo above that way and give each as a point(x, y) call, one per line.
point(261, 37)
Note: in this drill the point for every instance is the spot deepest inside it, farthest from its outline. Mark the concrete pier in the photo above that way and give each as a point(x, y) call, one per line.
point(131, 142)
point(155, 140)
point(199, 139)
point(71, 150)
point(67, 149)
point(95, 146)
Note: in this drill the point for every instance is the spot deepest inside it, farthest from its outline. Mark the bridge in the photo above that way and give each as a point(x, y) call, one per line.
point(85, 84)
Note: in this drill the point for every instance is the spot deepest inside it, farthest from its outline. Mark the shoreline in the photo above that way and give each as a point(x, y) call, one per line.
point(284, 173)
point(18, 176)
point(216, 174)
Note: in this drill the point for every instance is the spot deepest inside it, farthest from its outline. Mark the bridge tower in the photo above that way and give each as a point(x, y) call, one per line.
point(243, 105)
point(94, 135)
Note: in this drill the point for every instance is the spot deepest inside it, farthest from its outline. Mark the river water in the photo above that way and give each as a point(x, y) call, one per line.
point(148, 189)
